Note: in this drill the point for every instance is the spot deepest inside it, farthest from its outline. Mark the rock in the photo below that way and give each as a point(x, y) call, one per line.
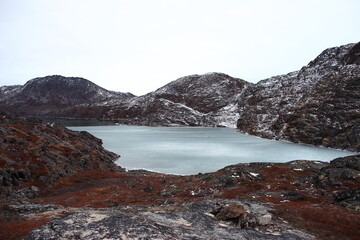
point(265, 219)
point(234, 212)
point(231, 212)
point(339, 169)
point(33, 208)
point(348, 198)
point(148, 188)
point(351, 162)
point(27, 192)
point(294, 195)
point(226, 180)
point(248, 220)
point(185, 221)
point(11, 177)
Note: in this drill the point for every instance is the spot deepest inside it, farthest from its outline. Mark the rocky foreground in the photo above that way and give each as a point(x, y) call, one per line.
point(56, 183)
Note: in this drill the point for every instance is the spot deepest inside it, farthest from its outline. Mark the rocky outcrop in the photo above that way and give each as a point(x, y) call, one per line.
point(339, 170)
point(348, 198)
point(185, 221)
point(317, 105)
point(35, 154)
point(56, 95)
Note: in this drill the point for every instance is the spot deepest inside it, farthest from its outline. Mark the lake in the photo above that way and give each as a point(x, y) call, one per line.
point(191, 150)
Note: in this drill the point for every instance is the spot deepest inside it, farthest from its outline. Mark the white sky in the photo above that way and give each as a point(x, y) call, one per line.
point(140, 45)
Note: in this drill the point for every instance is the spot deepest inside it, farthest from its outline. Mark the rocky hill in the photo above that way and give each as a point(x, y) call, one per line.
point(51, 95)
point(35, 154)
point(195, 100)
point(318, 104)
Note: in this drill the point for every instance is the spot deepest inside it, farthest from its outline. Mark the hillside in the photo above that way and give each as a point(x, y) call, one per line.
point(318, 104)
point(195, 100)
point(47, 96)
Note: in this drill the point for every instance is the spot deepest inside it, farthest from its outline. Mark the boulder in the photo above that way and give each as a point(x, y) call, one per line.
point(348, 198)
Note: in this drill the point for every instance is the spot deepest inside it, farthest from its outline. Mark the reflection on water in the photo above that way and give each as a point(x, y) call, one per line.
point(190, 150)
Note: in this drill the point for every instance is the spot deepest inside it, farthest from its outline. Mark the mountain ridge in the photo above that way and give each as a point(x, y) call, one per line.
point(41, 96)
point(317, 104)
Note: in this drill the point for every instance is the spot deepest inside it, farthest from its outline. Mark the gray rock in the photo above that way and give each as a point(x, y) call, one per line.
point(24, 208)
point(27, 192)
point(186, 221)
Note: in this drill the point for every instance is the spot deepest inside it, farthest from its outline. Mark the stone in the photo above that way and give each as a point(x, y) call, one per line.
point(348, 198)
point(229, 212)
point(265, 219)
point(148, 188)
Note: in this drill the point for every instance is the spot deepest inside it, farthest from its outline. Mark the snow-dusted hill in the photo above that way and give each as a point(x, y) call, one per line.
point(195, 100)
point(320, 104)
point(52, 94)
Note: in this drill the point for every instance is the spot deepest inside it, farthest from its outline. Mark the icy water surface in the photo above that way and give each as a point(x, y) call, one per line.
point(190, 150)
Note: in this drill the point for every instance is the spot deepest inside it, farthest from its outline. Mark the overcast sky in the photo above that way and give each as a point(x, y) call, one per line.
point(140, 45)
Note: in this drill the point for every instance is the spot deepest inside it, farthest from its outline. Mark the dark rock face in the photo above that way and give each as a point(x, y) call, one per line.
point(34, 152)
point(56, 95)
point(186, 221)
point(317, 105)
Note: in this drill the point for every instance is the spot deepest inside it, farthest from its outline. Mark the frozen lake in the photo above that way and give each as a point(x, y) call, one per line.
point(190, 150)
